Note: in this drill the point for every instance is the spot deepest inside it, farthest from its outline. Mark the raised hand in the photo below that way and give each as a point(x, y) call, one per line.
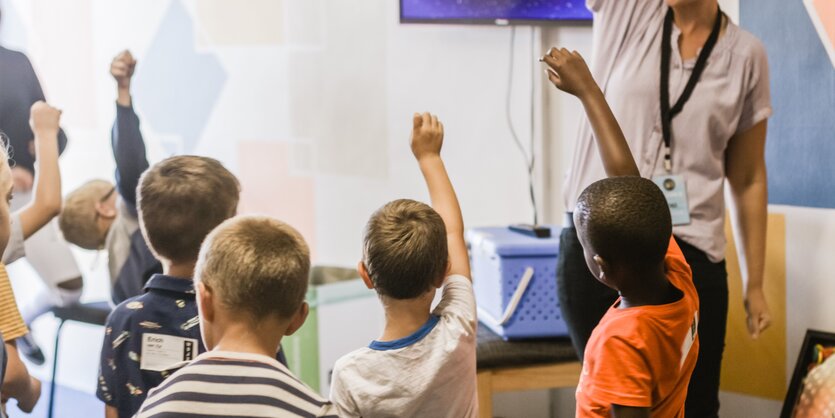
point(44, 120)
point(121, 68)
point(568, 71)
point(427, 135)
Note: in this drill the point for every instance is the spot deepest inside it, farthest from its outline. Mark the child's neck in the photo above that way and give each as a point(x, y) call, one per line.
point(183, 270)
point(405, 316)
point(652, 288)
point(246, 337)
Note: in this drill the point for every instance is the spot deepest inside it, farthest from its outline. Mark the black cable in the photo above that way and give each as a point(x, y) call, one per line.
point(533, 63)
point(529, 161)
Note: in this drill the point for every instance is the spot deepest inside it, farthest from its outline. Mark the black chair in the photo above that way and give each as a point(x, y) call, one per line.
point(94, 313)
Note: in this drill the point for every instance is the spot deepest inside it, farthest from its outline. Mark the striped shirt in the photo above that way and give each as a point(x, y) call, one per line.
point(11, 323)
point(227, 384)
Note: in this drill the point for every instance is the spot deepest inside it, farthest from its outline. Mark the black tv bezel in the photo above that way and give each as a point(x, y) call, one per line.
point(494, 22)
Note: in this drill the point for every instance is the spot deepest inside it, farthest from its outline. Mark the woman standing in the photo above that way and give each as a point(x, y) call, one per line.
point(691, 91)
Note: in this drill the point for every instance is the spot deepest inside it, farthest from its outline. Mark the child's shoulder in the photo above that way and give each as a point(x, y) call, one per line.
point(126, 313)
point(637, 326)
point(356, 360)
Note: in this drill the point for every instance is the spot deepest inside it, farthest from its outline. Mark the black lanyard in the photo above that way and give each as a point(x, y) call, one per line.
point(668, 113)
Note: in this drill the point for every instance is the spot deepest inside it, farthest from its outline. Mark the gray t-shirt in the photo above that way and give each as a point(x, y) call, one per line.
point(731, 97)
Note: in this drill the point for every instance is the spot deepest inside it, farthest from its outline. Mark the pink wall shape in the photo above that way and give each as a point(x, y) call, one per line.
point(270, 188)
point(826, 13)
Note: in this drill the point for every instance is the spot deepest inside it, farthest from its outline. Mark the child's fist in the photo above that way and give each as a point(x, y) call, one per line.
point(568, 71)
point(122, 68)
point(427, 135)
point(44, 120)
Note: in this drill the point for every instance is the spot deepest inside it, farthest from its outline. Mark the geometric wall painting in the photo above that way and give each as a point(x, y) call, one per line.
point(270, 186)
point(757, 367)
point(801, 133)
point(176, 87)
point(822, 13)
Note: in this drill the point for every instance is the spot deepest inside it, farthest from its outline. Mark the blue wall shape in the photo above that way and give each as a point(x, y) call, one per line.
point(801, 138)
point(176, 87)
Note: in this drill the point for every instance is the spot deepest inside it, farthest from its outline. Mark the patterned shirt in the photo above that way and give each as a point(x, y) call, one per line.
point(230, 384)
point(11, 323)
point(167, 308)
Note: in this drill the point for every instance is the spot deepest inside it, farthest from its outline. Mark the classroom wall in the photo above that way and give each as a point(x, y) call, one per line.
point(309, 102)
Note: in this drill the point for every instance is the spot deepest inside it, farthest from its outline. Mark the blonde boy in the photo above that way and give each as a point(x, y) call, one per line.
point(251, 280)
point(424, 362)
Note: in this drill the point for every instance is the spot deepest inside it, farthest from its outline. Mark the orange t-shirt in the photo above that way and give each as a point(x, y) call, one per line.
point(643, 356)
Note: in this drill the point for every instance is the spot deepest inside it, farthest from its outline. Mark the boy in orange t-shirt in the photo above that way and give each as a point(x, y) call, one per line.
point(640, 356)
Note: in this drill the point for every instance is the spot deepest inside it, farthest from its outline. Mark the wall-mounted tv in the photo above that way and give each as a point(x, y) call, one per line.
point(500, 12)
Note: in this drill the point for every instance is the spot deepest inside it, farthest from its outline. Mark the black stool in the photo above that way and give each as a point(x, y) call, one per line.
point(94, 313)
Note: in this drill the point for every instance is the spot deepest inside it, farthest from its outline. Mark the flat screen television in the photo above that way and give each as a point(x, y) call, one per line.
point(500, 12)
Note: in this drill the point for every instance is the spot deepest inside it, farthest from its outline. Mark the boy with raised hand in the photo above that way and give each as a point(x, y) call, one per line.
point(424, 363)
point(640, 356)
point(37, 214)
point(102, 215)
point(44, 119)
point(251, 280)
point(180, 200)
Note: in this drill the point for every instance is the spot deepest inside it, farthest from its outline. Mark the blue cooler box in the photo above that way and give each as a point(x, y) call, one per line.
point(515, 281)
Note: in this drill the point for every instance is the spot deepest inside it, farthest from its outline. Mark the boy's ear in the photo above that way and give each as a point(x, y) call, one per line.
point(364, 275)
point(105, 211)
point(602, 266)
point(298, 319)
point(205, 298)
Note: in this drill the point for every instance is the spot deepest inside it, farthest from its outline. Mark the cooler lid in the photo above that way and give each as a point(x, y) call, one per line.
point(504, 242)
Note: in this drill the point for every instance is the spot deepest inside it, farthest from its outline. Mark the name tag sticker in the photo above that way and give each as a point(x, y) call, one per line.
point(165, 352)
point(675, 191)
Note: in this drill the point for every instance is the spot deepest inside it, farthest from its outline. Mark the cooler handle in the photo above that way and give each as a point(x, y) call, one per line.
point(517, 295)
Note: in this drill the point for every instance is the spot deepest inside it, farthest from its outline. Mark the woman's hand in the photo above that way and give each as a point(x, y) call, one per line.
point(569, 72)
point(758, 313)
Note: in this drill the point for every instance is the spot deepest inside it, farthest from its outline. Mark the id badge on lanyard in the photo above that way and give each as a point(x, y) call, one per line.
point(673, 185)
point(675, 191)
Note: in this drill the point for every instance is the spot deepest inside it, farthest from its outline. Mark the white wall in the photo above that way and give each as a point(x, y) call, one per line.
point(353, 146)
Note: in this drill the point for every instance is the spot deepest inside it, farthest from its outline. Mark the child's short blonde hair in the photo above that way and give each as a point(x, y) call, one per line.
point(256, 264)
point(78, 216)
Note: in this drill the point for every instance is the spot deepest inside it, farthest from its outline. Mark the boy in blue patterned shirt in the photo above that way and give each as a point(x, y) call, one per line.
point(179, 201)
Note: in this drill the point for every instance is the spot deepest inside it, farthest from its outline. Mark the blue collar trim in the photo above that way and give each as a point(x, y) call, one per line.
point(418, 335)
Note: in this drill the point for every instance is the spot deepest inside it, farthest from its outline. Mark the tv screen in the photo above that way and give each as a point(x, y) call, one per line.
point(500, 12)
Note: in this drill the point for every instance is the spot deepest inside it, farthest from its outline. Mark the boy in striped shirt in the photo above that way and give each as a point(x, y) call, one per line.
point(251, 278)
